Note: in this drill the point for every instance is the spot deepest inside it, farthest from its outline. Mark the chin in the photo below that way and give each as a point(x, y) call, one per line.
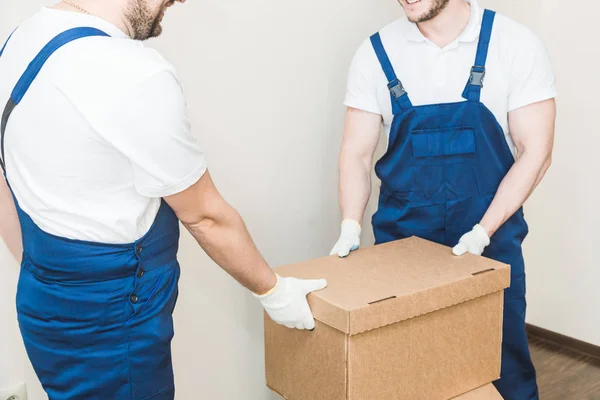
point(156, 33)
point(414, 18)
point(156, 29)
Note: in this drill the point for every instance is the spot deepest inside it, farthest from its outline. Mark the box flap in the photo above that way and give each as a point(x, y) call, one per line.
point(392, 282)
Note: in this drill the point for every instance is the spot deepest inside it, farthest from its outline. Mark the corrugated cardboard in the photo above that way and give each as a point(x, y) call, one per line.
point(487, 392)
point(403, 320)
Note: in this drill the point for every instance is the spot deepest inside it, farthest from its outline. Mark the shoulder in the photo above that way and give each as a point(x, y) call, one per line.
point(122, 60)
point(395, 30)
point(513, 37)
point(130, 53)
point(519, 49)
point(101, 70)
point(392, 38)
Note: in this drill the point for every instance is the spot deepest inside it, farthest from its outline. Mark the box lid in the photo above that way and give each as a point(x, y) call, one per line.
point(396, 281)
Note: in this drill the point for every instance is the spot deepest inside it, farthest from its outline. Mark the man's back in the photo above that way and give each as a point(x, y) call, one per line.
point(87, 148)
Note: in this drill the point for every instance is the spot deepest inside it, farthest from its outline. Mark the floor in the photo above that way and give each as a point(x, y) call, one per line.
point(565, 374)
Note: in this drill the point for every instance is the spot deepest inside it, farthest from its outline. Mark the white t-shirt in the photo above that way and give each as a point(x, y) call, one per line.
point(518, 69)
point(101, 135)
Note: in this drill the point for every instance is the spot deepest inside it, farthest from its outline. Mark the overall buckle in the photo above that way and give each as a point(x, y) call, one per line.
point(396, 88)
point(477, 76)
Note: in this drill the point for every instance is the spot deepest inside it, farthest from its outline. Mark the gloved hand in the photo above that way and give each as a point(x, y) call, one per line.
point(349, 238)
point(286, 303)
point(473, 242)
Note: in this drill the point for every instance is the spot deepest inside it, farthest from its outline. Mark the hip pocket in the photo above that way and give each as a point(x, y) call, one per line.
point(150, 331)
point(151, 292)
point(399, 218)
point(465, 213)
point(68, 306)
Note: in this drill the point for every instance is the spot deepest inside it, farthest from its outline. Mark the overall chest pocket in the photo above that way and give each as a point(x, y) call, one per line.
point(443, 142)
point(443, 164)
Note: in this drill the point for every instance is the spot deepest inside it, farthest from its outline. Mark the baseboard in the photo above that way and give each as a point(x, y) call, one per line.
point(564, 341)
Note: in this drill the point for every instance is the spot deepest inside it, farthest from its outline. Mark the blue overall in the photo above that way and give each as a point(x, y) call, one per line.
point(96, 318)
point(442, 168)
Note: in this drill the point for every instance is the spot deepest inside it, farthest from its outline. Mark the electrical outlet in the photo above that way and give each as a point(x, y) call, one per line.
point(16, 392)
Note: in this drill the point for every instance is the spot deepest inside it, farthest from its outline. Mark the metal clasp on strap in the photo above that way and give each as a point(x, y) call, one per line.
point(477, 76)
point(396, 89)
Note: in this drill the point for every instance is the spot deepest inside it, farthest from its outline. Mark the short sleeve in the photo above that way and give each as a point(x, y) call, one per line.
point(531, 77)
point(150, 126)
point(361, 92)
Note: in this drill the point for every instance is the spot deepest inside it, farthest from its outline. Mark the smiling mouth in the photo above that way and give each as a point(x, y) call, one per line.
point(411, 2)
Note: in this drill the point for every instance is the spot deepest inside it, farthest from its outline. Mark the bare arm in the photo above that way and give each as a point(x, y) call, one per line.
point(10, 229)
point(361, 134)
point(532, 130)
point(220, 231)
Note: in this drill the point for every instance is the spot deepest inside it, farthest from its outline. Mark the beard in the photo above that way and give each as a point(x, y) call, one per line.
point(144, 21)
point(436, 8)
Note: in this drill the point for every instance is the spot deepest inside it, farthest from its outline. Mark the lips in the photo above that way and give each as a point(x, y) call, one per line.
point(411, 2)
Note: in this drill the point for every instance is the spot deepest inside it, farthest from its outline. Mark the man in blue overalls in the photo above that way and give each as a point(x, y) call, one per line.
point(97, 151)
point(467, 100)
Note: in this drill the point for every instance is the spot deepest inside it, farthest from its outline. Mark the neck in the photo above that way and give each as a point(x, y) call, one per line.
point(448, 24)
point(110, 11)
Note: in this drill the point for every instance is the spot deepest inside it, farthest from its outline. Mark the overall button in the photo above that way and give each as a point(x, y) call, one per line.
point(139, 249)
point(133, 298)
point(140, 273)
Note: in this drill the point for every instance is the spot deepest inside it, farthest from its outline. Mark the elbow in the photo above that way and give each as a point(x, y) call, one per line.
point(540, 159)
point(354, 162)
point(547, 163)
point(203, 226)
point(544, 168)
point(200, 227)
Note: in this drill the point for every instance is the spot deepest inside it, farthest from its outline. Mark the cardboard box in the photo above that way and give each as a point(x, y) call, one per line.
point(487, 392)
point(403, 320)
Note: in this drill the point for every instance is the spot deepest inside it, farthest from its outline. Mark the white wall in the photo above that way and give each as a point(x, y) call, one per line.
point(564, 267)
point(265, 81)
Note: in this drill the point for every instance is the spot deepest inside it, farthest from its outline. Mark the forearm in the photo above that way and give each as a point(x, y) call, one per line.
point(516, 187)
point(222, 234)
point(535, 155)
point(361, 134)
point(354, 188)
point(226, 240)
point(10, 229)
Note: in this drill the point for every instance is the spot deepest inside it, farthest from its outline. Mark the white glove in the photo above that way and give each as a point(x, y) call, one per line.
point(473, 242)
point(286, 303)
point(349, 239)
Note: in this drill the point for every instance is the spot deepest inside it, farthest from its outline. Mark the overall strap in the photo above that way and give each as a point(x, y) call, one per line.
point(399, 96)
point(5, 43)
point(32, 71)
point(472, 91)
